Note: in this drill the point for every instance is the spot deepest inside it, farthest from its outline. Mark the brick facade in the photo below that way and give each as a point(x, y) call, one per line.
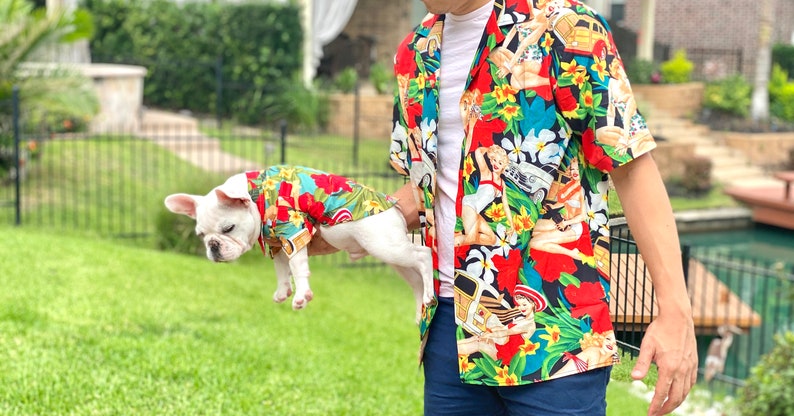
point(704, 27)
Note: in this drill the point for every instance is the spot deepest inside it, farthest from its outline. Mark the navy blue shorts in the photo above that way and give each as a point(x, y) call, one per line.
point(445, 395)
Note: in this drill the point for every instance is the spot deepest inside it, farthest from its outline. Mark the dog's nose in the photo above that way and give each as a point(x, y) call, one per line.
point(215, 249)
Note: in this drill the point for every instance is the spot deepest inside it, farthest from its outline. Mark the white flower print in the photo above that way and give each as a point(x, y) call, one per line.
point(480, 263)
point(517, 149)
point(397, 149)
point(542, 148)
point(428, 128)
point(504, 241)
point(597, 209)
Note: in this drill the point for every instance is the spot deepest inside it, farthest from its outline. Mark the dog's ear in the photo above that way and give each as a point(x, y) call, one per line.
point(183, 204)
point(230, 196)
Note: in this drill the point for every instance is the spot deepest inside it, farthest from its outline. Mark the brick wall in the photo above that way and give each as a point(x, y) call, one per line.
point(714, 24)
point(386, 21)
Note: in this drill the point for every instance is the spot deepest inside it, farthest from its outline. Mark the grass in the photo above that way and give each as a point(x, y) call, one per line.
point(88, 327)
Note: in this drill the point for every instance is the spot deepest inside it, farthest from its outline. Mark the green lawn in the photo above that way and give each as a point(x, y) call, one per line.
point(92, 327)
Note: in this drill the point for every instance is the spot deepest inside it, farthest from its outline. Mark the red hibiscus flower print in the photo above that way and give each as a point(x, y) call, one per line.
point(565, 99)
point(332, 183)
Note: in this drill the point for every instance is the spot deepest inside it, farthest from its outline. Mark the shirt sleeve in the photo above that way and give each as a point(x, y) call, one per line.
point(594, 94)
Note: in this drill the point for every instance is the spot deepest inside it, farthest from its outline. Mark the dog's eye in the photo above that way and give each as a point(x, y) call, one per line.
point(227, 229)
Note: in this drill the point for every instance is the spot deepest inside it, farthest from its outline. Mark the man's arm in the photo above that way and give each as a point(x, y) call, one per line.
point(670, 338)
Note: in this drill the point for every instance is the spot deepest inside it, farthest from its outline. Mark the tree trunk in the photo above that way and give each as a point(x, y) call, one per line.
point(763, 62)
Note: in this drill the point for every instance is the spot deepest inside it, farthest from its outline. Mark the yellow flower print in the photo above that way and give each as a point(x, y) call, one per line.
point(523, 221)
point(579, 78)
point(270, 183)
point(496, 212)
point(570, 69)
point(420, 81)
point(552, 334)
point(506, 93)
point(468, 168)
point(504, 378)
point(529, 348)
point(600, 67)
point(464, 365)
point(587, 98)
point(373, 206)
point(286, 172)
point(509, 111)
point(295, 218)
point(546, 42)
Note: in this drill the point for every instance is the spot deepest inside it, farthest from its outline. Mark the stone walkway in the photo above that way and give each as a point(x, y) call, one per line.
point(180, 134)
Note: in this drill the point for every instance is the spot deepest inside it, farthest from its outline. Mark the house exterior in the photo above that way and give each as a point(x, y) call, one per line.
point(719, 36)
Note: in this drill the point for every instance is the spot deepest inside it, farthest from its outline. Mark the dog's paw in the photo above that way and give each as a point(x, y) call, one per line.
point(300, 302)
point(281, 295)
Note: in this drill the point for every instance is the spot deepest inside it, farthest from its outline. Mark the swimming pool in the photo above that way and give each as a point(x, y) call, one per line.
point(760, 242)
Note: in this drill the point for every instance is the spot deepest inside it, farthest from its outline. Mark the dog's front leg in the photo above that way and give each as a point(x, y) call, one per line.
point(284, 289)
point(299, 265)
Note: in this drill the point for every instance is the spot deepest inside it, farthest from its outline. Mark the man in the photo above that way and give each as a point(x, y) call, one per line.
point(539, 79)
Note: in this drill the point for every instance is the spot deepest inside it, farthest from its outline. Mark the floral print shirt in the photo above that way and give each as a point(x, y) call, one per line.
point(547, 112)
point(294, 200)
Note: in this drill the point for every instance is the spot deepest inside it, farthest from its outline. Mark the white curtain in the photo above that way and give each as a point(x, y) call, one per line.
point(329, 18)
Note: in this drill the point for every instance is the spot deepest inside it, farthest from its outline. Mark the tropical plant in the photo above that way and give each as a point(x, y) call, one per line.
point(45, 90)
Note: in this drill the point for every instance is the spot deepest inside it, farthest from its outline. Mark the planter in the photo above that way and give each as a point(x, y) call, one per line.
point(678, 100)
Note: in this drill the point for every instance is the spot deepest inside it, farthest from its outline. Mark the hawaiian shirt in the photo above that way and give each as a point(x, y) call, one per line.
point(547, 113)
point(294, 200)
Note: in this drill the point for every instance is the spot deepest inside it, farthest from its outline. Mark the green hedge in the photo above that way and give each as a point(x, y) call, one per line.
point(258, 47)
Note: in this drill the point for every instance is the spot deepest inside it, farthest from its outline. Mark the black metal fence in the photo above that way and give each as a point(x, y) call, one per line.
point(114, 184)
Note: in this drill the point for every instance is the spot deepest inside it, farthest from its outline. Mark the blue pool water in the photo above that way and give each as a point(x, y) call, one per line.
point(758, 242)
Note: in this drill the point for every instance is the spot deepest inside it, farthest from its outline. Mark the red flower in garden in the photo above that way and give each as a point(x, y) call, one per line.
point(332, 183)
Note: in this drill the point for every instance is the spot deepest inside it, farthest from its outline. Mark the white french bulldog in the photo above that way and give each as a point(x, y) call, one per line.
point(230, 222)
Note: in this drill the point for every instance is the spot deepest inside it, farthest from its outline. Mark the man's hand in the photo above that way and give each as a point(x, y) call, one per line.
point(670, 343)
point(319, 247)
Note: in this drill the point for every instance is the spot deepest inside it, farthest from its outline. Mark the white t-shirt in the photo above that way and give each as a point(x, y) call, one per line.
point(459, 41)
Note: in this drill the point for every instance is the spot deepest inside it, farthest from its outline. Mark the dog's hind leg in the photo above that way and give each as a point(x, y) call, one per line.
point(299, 265)
point(284, 289)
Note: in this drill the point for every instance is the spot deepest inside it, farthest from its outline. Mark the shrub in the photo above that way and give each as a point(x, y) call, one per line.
point(382, 78)
point(769, 390)
point(783, 55)
point(697, 175)
point(346, 80)
point(781, 94)
point(731, 95)
point(678, 69)
point(641, 71)
point(184, 46)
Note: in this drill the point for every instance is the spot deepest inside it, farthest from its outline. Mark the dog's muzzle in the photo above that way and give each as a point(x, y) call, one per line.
point(215, 250)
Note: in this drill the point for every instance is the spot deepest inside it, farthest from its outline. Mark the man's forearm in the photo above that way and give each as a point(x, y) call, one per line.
point(652, 224)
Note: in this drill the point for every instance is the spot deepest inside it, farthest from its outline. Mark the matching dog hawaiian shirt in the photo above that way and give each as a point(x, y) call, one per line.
point(293, 200)
point(548, 113)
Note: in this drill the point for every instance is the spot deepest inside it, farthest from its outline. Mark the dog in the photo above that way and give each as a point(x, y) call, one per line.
point(284, 206)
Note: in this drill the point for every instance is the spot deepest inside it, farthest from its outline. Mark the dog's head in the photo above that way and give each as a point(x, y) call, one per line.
point(227, 220)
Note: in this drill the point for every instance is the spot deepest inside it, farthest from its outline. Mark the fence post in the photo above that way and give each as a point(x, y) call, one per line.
point(356, 119)
point(218, 90)
point(17, 165)
point(685, 255)
point(283, 141)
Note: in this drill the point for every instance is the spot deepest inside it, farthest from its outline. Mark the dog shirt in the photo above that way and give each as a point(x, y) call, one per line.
point(294, 200)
